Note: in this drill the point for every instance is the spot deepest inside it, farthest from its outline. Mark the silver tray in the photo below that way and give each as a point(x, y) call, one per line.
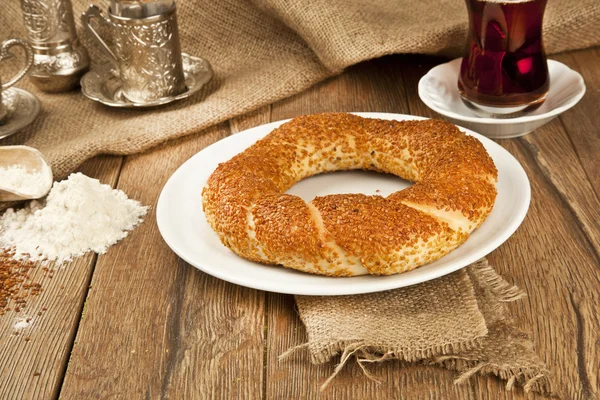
point(22, 108)
point(104, 84)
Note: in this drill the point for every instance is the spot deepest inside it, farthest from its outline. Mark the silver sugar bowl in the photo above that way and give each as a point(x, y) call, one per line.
point(59, 58)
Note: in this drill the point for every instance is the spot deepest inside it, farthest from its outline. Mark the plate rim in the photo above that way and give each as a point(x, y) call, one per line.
point(350, 289)
point(501, 121)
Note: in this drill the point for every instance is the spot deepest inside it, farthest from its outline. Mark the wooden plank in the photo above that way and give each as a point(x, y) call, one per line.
point(34, 369)
point(155, 327)
point(569, 152)
point(553, 255)
point(583, 121)
point(559, 164)
point(358, 89)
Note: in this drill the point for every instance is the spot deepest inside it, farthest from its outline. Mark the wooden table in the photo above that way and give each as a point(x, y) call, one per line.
point(138, 322)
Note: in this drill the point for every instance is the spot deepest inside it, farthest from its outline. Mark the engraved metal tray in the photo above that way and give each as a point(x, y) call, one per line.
point(103, 84)
point(22, 108)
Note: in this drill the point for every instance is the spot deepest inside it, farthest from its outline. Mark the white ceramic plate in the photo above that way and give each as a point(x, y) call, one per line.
point(439, 91)
point(183, 226)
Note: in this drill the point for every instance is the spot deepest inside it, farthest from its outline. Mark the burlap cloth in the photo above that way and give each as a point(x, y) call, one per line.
point(459, 322)
point(263, 51)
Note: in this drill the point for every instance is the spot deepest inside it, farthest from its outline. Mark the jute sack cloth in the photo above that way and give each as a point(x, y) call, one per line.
point(262, 51)
point(459, 322)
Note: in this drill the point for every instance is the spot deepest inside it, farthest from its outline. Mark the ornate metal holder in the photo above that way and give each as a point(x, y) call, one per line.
point(146, 53)
point(5, 54)
point(104, 84)
point(140, 8)
point(59, 59)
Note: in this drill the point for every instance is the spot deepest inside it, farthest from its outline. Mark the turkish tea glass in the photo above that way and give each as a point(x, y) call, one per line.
point(504, 69)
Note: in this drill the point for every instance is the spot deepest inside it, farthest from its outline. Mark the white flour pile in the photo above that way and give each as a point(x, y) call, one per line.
point(17, 179)
point(79, 215)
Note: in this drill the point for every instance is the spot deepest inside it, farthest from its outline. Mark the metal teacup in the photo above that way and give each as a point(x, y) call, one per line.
point(59, 59)
point(146, 52)
point(5, 54)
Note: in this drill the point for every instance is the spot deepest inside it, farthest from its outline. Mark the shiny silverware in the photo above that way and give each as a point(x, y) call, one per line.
point(4, 54)
point(103, 84)
point(146, 53)
point(140, 9)
point(21, 108)
point(59, 59)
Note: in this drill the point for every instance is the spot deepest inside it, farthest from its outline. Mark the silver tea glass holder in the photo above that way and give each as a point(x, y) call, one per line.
point(59, 58)
point(146, 67)
point(18, 107)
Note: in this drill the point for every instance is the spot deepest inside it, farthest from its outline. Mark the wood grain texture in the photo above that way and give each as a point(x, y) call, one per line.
point(34, 369)
point(569, 163)
point(174, 332)
point(583, 121)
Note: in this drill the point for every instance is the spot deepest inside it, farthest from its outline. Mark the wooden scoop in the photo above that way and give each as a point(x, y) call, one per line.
point(33, 161)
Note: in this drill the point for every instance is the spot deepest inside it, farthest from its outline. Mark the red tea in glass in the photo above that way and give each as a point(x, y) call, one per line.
point(504, 69)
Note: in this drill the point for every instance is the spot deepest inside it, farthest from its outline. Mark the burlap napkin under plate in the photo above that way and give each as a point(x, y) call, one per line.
point(459, 322)
point(263, 51)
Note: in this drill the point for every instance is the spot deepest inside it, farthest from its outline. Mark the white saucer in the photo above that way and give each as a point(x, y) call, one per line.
point(439, 91)
point(183, 225)
point(22, 108)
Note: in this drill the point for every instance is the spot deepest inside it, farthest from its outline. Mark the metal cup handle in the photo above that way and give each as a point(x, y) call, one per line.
point(95, 12)
point(5, 53)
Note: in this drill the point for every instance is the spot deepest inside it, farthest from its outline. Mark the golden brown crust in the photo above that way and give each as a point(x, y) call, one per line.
point(352, 234)
point(298, 237)
point(387, 237)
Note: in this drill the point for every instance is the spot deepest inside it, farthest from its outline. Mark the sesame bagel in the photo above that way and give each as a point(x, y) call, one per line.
point(454, 191)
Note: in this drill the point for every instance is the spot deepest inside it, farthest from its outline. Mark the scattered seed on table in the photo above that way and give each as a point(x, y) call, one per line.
point(15, 282)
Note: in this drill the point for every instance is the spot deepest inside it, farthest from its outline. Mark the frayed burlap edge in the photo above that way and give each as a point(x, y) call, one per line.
point(454, 356)
point(536, 379)
point(329, 349)
point(365, 354)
